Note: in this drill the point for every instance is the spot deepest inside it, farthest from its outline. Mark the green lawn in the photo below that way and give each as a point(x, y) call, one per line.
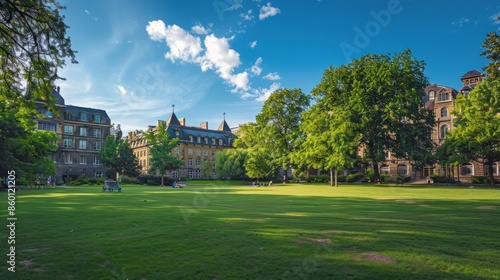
point(294, 231)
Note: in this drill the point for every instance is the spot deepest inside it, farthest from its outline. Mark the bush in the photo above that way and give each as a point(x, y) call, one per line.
point(441, 179)
point(354, 177)
point(153, 180)
point(318, 179)
point(480, 179)
point(128, 180)
point(81, 180)
point(385, 178)
point(369, 173)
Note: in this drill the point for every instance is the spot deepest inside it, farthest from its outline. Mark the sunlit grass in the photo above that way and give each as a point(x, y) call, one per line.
point(293, 231)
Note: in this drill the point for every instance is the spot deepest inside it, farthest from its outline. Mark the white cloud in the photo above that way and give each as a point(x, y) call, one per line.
point(461, 21)
point(496, 18)
point(122, 89)
point(247, 16)
point(183, 46)
point(268, 11)
point(272, 76)
point(265, 93)
point(253, 44)
point(220, 57)
point(256, 69)
point(199, 29)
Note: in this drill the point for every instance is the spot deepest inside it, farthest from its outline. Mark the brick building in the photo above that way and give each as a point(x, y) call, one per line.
point(81, 133)
point(196, 145)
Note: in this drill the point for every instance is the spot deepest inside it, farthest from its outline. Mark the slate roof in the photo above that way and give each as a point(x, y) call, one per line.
point(472, 73)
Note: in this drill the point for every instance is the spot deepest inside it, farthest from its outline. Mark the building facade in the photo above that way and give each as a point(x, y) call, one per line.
point(81, 133)
point(197, 146)
point(441, 100)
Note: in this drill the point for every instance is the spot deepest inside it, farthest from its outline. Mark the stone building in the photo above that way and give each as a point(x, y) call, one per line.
point(196, 145)
point(81, 133)
point(441, 100)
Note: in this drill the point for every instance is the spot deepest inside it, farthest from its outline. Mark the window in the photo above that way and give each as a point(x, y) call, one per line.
point(177, 150)
point(98, 174)
point(385, 169)
point(205, 153)
point(68, 129)
point(442, 96)
point(198, 139)
point(97, 133)
point(197, 174)
point(190, 174)
point(97, 119)
point(495, 169)
point(190, 152)
point(444, 112)
point(83, 160)
point(198, 152)
point(83, 131)
point(206, 140)
point(97, 146)
point(198, 162)
point(175, 174)
point(402, 169)
point(68, 143)
point(431, 95)
point(82, 144)
point(68, 159)
point(47, 126)
point(190, 162)
point(468, 169)
point(443, 131)
point(49, 114)
point(191, 139)
point(83, 117)
point(96, 160)
point(213, 141)
point(220, 142)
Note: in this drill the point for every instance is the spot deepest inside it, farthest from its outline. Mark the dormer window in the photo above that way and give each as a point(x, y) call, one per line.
point(431, 95)
point(198, 139)
point(443, 96)
point(220, 142)
point(84, 117)
point(191, 139)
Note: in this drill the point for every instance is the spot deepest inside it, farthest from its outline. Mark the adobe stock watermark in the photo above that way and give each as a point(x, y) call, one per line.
point(222, 6)
point(11, 220)
point(363, 36)
point(309, 265)
point(201, 200)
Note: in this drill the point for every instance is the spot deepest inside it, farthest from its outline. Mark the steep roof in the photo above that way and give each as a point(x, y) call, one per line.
point(224, 127)
point(173, 120)
point(472, 73)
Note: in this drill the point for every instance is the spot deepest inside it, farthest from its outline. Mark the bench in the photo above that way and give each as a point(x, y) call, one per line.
point(110, 185)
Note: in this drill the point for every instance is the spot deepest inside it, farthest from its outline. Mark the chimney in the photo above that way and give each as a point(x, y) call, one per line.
point(182, 121)
point(204, 125)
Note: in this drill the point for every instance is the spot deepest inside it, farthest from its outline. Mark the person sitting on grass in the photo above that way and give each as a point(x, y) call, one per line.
point(174, 185)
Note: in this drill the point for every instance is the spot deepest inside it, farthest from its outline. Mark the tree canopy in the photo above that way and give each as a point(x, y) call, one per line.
point(33, 45)
point(160, 147)
point(491, 51)
point(381, 97)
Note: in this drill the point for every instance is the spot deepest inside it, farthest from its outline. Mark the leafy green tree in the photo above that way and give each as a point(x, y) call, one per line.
point(278, 126)
point(207, 167)
point(492, 52)
point(33, 45)
point(477, 123)
point(25, 151)
point(380, 96)
point(160, 150)
point(331, 141)
point(230, 163)
point(258, 164)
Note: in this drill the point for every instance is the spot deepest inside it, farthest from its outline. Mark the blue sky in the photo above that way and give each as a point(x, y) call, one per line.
point(137, 58)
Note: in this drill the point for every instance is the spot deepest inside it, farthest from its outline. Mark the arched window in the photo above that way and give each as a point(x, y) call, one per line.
point(443, 131)
point(468, 169)
point(402, 169)
point(431, 95)
point(444, 112)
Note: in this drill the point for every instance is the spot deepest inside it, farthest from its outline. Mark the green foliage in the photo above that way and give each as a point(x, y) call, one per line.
point(258, 164)
point(477, 131)
point(370, 174)
point(480, 179)
point(160, 150)
point(128, 180)
point(441, 179)
point(354, 177)
point(379, 100)
point(230, 163)
point(278, 130)
point(491, 46)
point(118, 157)
point(323, 178)
point(33, 46)
point(147, 179)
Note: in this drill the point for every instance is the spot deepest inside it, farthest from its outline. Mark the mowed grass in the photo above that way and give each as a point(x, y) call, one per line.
point(225, 231)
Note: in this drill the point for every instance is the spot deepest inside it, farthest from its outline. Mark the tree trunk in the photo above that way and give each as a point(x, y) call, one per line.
point(162, 180)
point(490, 173)
point(336, 178)
point(331, 177)
point(376, 174)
